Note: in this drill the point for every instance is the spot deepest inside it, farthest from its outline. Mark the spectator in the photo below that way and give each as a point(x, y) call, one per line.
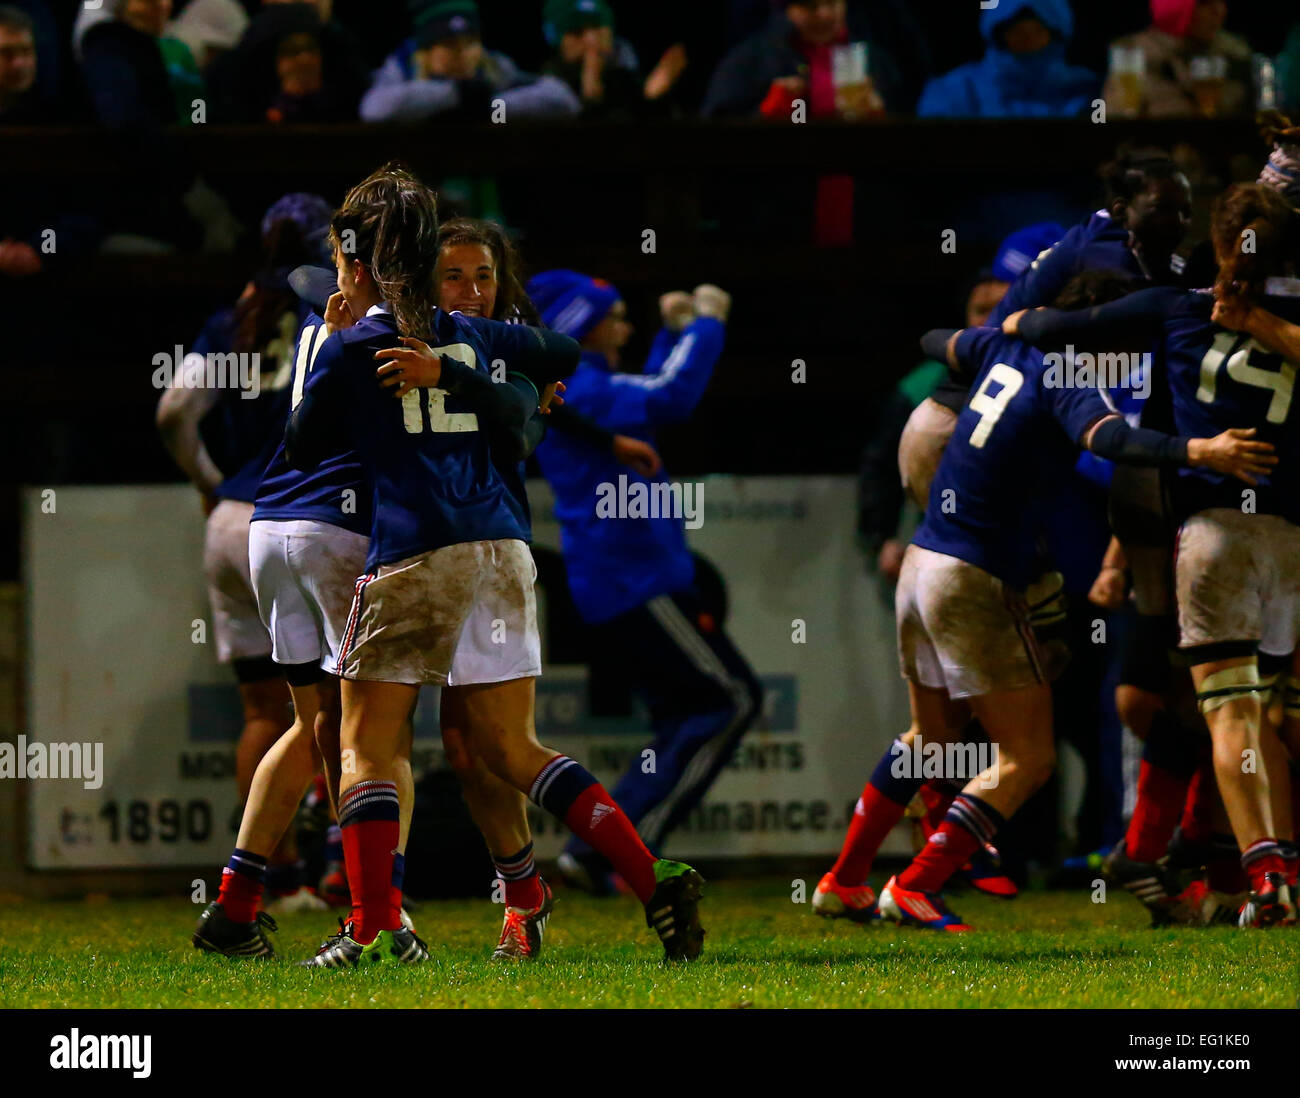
point(600, 68)
point(443, 69)
point(135, 75)
point(1023, 73)
point(1288, 72)
point(52, 79)
point(792, 58)
point(1192, 66)
point(209, 28)
point(293, 64)
point(20, 98)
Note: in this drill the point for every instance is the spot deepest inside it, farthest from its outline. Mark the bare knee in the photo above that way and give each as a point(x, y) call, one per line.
point(1137, 708)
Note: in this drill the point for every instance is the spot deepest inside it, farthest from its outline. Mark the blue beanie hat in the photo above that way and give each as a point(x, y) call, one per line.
point(1022, 247)
point(309, 212)
point(569, 302)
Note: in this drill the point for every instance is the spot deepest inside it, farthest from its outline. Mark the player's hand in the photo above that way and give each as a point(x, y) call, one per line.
point(1232, 313)
point(1235, 452)
point(1011, 325)
point(639, 456)
point(712, 301)
point(677, 309)
point(18, 258)
point(337, 313)
point(890, 559)
point(550, 396)
point(1108, 588)
point(413, 366)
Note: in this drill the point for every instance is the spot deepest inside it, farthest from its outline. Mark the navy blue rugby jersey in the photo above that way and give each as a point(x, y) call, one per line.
point(1018, 433)
point(337, 490)
point(1217, 379)
point(241, 433)
point(430, 467)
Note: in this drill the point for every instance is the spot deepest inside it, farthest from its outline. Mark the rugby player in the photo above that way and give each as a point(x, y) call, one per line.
point(1235, 575)
point(965, 645)
point(244, 434)
point(446, 533)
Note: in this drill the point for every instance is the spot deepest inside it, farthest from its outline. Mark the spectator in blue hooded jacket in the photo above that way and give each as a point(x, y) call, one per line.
point(1023, 73)
point(442, 68)
point(623, 537)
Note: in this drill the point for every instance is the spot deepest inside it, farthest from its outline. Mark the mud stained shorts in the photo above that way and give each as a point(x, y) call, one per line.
point(236, 625)
point(304, 573)
point(408, 619)
point(961, 629)
point(1238, 579)
point(924, 439)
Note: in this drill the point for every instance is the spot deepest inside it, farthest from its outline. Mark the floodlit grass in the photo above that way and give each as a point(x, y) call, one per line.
point(1042, 950)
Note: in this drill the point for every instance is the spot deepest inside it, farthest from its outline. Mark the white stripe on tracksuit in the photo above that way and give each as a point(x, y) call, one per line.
point(673, 622)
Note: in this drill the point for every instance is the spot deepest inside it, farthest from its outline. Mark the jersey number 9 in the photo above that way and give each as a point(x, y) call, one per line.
point(990, 408)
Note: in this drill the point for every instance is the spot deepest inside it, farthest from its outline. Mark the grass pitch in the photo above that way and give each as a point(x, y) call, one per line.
point(1045, 949)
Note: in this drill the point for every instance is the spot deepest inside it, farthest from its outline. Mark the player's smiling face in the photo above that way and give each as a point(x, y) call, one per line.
point(467, 280)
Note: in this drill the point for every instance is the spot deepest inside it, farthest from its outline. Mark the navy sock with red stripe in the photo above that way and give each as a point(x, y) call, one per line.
point(242, 882)
point(568, 791)
point(884, 799)
point(368, 819)
point(970, 823)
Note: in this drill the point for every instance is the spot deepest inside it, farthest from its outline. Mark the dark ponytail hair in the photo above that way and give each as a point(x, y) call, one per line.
point(389, 221)
point(512, 300)
point(259, 316)
point(1275, 234)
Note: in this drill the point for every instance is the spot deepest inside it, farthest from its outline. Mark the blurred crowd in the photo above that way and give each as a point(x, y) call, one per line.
point(134, 63)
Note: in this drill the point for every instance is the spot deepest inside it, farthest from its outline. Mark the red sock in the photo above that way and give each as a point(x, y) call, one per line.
point(239, 896)
point(368, 852)
point(969, 824)
point(1198, 806)
point(1262, 856)
point(1161, 797)
point(525, 893)
point(874, 817)
point(368, 814)
point(602, 825)
point(938, 798)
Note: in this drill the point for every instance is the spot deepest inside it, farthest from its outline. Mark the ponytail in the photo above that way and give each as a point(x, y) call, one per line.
point(389, 221)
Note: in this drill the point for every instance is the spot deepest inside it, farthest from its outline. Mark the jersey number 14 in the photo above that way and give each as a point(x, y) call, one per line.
point(1247, 361)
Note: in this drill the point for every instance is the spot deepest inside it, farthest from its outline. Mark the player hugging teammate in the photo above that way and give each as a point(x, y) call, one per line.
point(967, 646)
point(399, 389)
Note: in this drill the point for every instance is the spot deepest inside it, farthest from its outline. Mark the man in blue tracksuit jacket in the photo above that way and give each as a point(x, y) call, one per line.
point(633, 578)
